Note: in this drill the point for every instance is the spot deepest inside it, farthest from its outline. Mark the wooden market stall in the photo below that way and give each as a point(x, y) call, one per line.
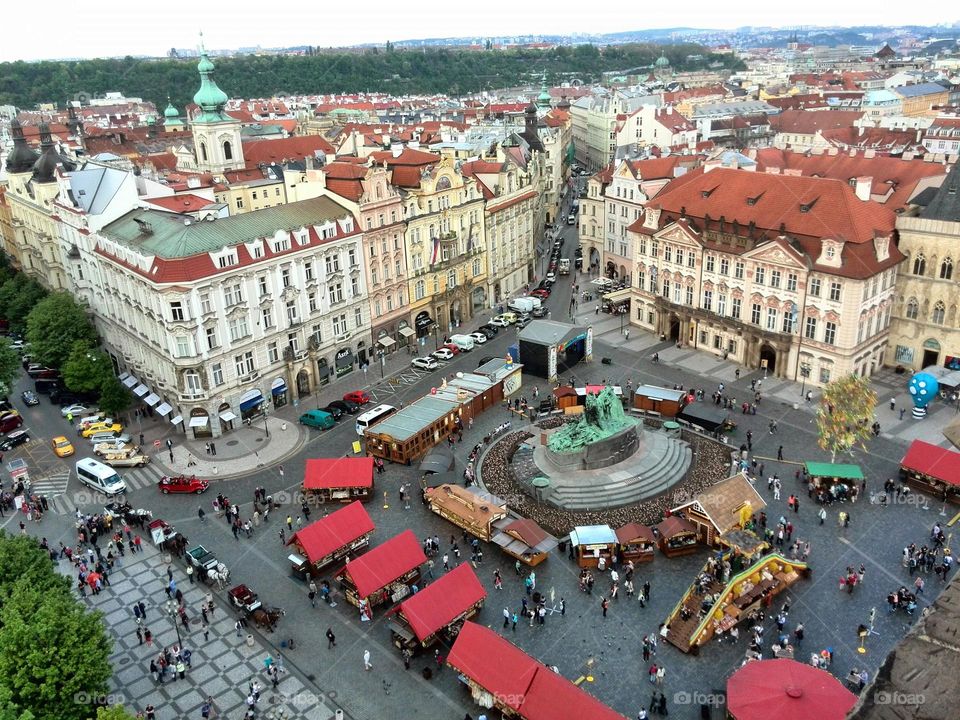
point(565, 397)
point(343, 479)
point(385, 573)
point(834, 478)
point(438, 611)
point(636, 542)
point(593, 545)
point(472, 510)
point(932, 469)
point(524, 540)
point(665, 401)
point(499, 675)
point(676, 537)
point(334, 537)
point(722, 507)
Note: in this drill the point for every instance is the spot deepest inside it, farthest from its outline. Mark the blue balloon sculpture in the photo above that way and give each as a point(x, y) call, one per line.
point(923, 388)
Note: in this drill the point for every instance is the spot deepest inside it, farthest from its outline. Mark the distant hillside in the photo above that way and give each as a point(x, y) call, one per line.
point(393, 71)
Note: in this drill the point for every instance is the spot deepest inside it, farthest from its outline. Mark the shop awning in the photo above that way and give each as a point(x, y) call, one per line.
point(443, 601)
point(123, 377)
point(934, 461)
point(593, 535)
point(177, 419)
point(834, 470)
point(228, 416)
point(129, 381)
point(407, 332)
point(386, 341)
point(251, 402)
point(618, 295)
point(340, 528)
point(164, 409)
point(141, 390)
point(201, 421)
point(345, 472)
point(152, 399)
point(278, 389)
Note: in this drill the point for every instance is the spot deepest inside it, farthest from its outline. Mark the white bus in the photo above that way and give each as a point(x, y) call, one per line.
point(371, 417)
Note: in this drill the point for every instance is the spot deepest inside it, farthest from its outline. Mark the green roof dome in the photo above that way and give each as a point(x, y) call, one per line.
point(662, 61)
point(171, 113)
point(209, 97)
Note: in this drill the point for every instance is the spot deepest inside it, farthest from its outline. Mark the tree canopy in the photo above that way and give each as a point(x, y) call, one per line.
point(18, 296)
point(114, 397)
point(9, 366)
point(844, 414)
point(86, 368)
point(396, 71)
point(54, 325)
point(53, 651)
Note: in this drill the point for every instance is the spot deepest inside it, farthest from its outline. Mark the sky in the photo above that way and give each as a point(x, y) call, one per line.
point(108, 28)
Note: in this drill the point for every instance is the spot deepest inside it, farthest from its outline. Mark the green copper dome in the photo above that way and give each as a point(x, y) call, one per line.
point(544, 99)
point(171, 113)
point(662, 61)
point(209, 97)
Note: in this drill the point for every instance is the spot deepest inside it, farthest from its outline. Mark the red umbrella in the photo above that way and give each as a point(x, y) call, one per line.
point(786, 690)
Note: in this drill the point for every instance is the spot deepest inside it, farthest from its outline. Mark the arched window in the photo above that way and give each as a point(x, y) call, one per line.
point(938, 313)
point(946, 269)
point(203, 152)
point(920, 265)
point(227, 150)
point(913, 308)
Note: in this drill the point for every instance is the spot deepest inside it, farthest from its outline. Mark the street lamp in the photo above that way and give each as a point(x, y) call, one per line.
point(804, 373)
point(172, 612)
point(266, 412)
point(382, 355)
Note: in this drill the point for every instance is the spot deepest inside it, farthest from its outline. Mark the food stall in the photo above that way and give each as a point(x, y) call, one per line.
point(932, 469)
point(593, 545)
point(342, 479)
point(338, 535)
point(383, 574)
point(636, 542)
point(676, 537)
point(664, 401)
point(472, 510)
point(835, 478)
point(438, 611)
point(722, 507)
point(565, 397)
point(789, 690)
point(524, 540)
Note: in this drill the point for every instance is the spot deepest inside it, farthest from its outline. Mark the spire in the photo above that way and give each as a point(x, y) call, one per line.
point(209, 97)
point(543, 100)
point(21, 157)
point(46, 166)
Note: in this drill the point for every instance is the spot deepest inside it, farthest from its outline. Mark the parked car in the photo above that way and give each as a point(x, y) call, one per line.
point(35, 371)
point(46, 386)
point(443, 354)
point(542, 293)
point(317, 419)
point(115, 446)
point(484, 360)
point(94, 417)
point(571, 219)
point(17, 437)
point(182, 484)
point(61, 396)
point(124, 459)
point(335, 411)
point(346, 406)
point(539, 312)
point(452, 347)
point(77, 410)
point(524, 321)
point(425, 363)
point(479, 337)
point(101, 427)
point(108, 437)
point(357, 396)
point(29, 398)
point(62, 447)
point(551, 276)
point(489, 330)
point(10, 421)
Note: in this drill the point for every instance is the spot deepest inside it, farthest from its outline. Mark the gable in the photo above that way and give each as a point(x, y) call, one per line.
point(677, 233)
point(776, 254)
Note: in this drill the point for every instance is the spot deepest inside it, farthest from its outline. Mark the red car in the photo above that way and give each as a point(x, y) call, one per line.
point(182, 484)
point(541, 293)
point(452, 348)
point(357, 396)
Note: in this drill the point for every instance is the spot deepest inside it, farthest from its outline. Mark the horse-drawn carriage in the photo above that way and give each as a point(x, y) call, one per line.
point(248, 605)
point(125, 511)
point(207, 565)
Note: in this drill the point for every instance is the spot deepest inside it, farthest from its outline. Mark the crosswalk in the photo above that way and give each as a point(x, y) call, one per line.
point(62, 502)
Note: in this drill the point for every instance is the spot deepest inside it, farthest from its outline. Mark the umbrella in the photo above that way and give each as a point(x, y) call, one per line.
point(92, 578)
point(786, 690)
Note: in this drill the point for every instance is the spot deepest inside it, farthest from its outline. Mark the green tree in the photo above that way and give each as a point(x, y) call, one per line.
point(9, 366)
point(54, 325)
point(115, 712)
point(18, 296)
point(86, 368)
point(114, 397)
point(844, 415)
point(53, 651)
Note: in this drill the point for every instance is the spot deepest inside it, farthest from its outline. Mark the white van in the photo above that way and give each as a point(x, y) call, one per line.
point(464, 342)
point(100, 477)
point(524, 304)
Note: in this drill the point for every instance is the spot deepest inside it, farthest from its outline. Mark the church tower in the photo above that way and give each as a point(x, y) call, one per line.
point(216, 135)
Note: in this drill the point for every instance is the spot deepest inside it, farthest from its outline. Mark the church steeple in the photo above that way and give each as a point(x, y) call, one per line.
point(216, 136)
point(209, 97)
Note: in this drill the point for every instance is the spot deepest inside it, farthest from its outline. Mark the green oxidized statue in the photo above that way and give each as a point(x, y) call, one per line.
point(602, 417)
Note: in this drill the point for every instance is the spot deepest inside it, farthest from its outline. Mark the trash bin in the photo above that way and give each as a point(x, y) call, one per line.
point(249, 640)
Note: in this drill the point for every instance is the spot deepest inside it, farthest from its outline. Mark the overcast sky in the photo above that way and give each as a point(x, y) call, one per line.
point(120, 27)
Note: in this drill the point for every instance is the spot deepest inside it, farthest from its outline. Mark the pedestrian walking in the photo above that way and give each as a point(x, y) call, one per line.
point(283, 537)
point(780, 453)
point(331, 639)
point(506, 617)
point(366, 660)
point(604, 604)
point(822, 515)
point(139, 636)
point(289, 522)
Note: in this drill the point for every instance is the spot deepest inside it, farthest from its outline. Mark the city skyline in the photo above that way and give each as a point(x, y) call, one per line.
point(109, 29)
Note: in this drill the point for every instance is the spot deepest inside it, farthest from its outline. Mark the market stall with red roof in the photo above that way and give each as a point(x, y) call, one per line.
point(339, 479)
point(440, 609)
point(385, 573)
point(932, 469)
point(502, 676)
point(786, 690)
point(332, 538)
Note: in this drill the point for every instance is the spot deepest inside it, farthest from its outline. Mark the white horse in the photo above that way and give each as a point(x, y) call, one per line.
point(220, 574)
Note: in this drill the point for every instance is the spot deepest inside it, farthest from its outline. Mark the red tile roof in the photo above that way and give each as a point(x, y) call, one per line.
point(408, 156)
point(442, 601)
point(337, 529)
point(185, 203)
point(283, 149)
point(385, 563)
point(805, 122)
point(327, 473)
point(880, 140)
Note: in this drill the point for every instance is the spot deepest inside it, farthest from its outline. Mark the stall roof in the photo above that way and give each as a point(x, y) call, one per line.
point(498, 368)
point(722, 502)
point(549, 332)
point(632, 532)
point(659, 393)
point(406, 423)
point(564, 391)
point(597, 389)
point(380, 566)
point(344, 472)
point(593, 535)
point(535, 537)
point(493, 663)
point(337, 529)
point(481, 509)
point(835, 470)
point(552, 697)
point(934, 461)
point(674, 525)
point(441, 602)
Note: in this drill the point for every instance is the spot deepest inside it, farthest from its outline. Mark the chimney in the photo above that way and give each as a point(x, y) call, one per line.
point(862, 188)
point(669, 109)
point(396, 149)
